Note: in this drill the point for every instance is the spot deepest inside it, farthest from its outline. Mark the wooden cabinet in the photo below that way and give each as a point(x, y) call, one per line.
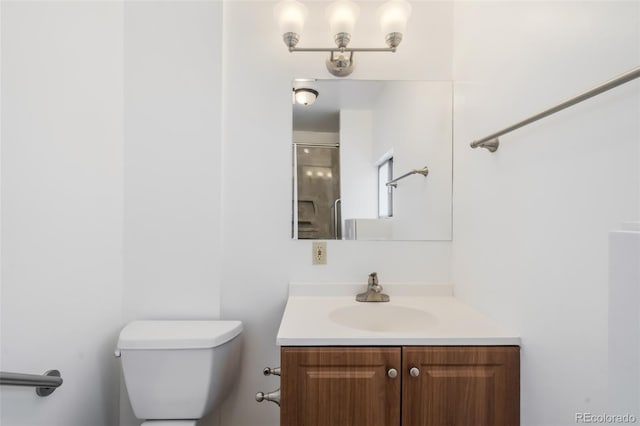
point(454, 386)
point(461, 386)
point(339, 387)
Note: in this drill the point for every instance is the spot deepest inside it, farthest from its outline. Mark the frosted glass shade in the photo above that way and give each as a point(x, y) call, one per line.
point(342, 16)
point(290, 16)
point(393, 16)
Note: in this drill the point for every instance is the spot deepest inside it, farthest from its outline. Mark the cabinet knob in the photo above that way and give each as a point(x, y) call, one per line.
point(393, 373)
point(414, 372)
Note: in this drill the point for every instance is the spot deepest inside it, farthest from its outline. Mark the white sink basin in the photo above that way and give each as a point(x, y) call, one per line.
point(382, 317)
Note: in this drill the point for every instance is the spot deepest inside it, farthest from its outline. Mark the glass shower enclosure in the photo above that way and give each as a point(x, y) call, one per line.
point(316, 192)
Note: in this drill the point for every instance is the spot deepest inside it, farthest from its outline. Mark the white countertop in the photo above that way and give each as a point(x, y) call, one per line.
point(307, 318)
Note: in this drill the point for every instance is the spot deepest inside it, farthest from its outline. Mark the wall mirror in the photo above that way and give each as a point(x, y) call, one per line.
point(372, 160)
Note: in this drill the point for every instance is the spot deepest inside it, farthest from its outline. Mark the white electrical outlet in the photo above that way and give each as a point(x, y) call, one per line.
point(319, 253)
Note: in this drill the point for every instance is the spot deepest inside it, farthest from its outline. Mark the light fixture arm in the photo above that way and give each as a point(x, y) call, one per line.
point(340, 62)
point(342, 41)
point(346, 49)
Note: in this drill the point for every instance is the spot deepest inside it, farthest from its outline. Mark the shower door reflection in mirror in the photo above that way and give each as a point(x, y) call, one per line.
point(357, 137)
point(318, 191)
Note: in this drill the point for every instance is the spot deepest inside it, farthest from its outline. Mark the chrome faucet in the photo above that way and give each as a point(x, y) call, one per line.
point(374, 291)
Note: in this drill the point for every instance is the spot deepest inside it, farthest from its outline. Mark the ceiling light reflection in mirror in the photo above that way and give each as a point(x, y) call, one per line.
point(354, 128)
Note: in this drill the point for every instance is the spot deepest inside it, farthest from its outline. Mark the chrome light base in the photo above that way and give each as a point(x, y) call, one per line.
point(291, 39)
point(393, 39)
point(342, 39)
point(341, 65)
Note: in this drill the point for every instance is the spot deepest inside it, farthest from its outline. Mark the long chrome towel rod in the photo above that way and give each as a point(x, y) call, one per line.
point(423, 171)
point(492, 143)
point(45, 383)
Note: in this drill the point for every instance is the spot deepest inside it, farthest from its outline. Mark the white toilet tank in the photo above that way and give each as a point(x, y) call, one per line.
point(179, 369)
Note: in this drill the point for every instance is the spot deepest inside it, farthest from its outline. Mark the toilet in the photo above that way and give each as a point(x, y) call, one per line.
point(176, 372)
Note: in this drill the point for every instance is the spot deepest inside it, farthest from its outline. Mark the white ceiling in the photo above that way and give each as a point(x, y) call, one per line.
point(333, 95)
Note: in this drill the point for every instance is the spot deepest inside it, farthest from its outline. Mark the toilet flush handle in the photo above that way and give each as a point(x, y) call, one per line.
point(117, 353)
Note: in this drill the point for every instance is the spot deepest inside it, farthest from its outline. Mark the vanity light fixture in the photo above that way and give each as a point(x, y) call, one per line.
point(305, 96)
point(342, 15)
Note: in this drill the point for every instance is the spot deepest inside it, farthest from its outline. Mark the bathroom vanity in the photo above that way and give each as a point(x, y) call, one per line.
point(422, 359)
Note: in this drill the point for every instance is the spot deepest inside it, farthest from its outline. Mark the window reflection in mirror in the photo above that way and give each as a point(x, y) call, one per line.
point(385, 191)
point(355, 137)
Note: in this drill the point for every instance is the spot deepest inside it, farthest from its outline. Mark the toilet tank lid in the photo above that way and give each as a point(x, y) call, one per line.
point(177, 334)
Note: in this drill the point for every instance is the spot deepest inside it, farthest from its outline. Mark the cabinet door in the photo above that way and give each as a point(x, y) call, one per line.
point(340, 387)
point(461, 386)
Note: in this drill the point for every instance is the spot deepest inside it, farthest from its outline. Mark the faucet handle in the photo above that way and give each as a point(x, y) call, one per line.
point(373, 283)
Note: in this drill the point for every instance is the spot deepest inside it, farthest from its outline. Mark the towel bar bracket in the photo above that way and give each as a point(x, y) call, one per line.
point(45, 384)
point(492, 144)
point(45, 390)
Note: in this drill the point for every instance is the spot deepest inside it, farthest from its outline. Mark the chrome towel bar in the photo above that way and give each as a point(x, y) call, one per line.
point(492, 143)
point(45, 383)
point(423, 171)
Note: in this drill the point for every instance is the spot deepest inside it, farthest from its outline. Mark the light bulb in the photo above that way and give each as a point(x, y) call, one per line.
point(290, 15)
point(342, 16)
point(393, 16)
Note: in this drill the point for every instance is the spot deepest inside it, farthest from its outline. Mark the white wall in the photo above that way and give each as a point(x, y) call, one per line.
point(172, 176)
point(61, 208)
point(82, 212)
point(532, 220)
point(358, 174)
point(259, 258)
point(172, 162)
point(414, 120)
point(624, 319)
